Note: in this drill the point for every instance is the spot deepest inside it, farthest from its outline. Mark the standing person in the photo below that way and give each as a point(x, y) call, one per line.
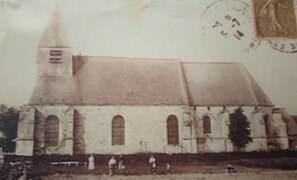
point(168, 165)
point(168, 168)
point(91, 164)
point(112, 164)
point(153, 164)
point(122, 164)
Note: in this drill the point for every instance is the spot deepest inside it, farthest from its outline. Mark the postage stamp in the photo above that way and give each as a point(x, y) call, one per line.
point(231, 19)
point(275, 19)
point(284, 45)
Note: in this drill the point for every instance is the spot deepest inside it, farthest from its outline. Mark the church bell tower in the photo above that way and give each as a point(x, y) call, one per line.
point(54, 56)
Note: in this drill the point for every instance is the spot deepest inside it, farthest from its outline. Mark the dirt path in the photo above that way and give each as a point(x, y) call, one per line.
point(269, 175)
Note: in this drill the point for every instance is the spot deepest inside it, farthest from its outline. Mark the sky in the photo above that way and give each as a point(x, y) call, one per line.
point(190, 30)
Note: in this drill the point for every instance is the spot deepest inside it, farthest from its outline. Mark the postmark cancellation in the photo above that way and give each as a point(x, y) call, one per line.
point(232, 20)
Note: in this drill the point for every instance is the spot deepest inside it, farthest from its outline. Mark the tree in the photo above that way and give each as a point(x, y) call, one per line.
point(239, 129)
point(8, 127)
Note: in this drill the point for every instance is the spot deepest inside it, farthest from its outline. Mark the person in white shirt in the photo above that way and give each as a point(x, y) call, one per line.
point(112, 164)
point(153, 164)
point(91, 164)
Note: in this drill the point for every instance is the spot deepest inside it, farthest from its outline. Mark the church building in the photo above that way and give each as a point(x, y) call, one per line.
point(102, 105)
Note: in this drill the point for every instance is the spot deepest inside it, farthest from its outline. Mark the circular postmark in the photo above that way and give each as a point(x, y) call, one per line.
point(233, 20)
point(285, 46)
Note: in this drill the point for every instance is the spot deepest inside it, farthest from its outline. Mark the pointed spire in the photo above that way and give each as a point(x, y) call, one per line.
point(55, 33)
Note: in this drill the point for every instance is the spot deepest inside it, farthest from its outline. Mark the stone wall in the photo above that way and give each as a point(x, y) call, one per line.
point(63, 68)
point(145, 129)
point(25, 133)
point(65, 115)
point(217, 140)
point(279, 136)
point(88, 129)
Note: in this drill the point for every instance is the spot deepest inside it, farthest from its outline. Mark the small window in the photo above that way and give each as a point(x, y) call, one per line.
point(118, 130)
point(206, 125)
point(51, 131)
point(55, 56)
point(172, 130)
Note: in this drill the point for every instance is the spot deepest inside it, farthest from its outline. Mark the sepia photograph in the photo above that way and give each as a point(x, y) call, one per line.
point(148, 89)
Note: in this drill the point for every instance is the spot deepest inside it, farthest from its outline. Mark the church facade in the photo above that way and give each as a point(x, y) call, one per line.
point(103, 105)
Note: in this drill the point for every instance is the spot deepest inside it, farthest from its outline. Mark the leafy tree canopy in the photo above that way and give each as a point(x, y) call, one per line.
point(8, 127)
point(239, 129)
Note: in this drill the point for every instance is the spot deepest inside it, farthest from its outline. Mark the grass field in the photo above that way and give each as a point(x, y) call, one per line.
point(275, 175)
point(241, 166)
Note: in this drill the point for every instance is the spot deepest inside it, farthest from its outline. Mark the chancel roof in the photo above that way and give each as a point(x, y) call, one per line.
point(226, 84)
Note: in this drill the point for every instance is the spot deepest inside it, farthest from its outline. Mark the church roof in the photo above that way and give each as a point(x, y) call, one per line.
point(115, 81)
point(55, 34)
point(223, 84)
point(137, 81)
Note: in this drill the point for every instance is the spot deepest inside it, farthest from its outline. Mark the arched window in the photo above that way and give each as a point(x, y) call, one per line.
point(118, 130)
point(51, 131)
point(206, 125)
point(172, 130)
